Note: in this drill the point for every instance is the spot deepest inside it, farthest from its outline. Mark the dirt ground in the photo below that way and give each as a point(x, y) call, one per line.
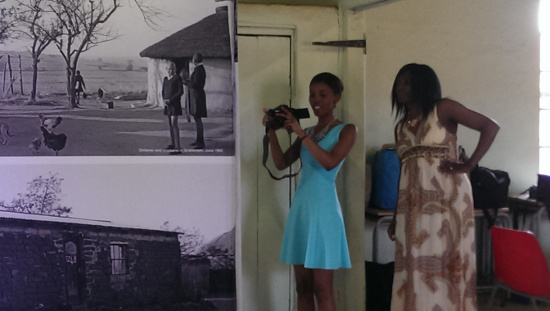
point(128, 127)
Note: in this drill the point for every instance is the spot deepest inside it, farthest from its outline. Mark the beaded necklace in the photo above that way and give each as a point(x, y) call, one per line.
point(413, 122)
point(319, 136)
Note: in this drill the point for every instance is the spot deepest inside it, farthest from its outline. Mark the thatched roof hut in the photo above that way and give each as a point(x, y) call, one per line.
point(211, 37)
point(222, 244)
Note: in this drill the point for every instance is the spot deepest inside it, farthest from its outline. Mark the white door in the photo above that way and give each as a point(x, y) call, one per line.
point(264, 82)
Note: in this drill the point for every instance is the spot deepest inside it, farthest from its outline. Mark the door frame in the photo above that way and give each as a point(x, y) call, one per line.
point(248, 298)
point(74, 268)
point(277, 31)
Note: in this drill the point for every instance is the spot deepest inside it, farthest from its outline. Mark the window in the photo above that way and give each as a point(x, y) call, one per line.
point(544, 116)
point(118, 258)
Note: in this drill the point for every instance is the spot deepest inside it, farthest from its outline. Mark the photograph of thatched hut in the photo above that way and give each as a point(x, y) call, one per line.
point(211, 38)
point(81, 96)
point(214, 265)
point(64, 263)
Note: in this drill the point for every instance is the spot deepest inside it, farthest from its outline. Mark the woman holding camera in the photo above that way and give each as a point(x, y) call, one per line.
point(314, 240)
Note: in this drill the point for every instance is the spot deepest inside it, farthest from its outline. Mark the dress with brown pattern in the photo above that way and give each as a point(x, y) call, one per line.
point(435, 261)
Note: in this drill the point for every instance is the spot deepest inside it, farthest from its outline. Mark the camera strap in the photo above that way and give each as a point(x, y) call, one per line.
point(265, 156)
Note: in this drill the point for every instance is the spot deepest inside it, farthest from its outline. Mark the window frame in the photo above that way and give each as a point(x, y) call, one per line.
point(119, 263)
point(544, 87)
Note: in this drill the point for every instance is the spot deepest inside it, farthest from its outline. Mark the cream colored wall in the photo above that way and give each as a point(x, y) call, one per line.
point(310, 24)
point(353, 69)
point(323, 24)
point(486, 56)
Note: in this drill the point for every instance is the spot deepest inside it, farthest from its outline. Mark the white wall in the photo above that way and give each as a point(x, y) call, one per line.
point(486, 54)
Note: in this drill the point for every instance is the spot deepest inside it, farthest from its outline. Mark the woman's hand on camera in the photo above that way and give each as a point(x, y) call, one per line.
point(266, 117)
point(291, 123)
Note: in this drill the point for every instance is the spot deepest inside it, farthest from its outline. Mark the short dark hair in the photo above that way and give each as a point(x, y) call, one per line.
point(332, 81)
point(198, 57)
point(425, 88)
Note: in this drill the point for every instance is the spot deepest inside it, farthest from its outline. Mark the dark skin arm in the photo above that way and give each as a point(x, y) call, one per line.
point(327, 159)
point(282, 159)
point(451, 114)
point(391, 227)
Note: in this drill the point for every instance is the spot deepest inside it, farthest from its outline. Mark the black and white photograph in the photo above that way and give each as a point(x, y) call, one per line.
point(116, 127)
point(117, 236)
point(117, 78)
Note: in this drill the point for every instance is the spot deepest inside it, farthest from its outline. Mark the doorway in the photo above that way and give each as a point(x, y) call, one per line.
point(265, 81)
point(73, 269)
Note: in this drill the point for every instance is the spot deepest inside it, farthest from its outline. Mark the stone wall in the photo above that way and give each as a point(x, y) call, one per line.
point(31, 271)
point(34, 265)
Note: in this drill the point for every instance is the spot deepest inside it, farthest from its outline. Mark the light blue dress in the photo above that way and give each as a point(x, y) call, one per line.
point(315, 235)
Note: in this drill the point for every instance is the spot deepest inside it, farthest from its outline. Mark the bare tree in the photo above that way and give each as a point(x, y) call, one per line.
point(43, 197)
point(190, 239)
point(34, 23)
point(7, 20)
point(83, 23)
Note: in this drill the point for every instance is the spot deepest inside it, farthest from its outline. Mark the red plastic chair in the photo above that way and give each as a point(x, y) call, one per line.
point(520, 265)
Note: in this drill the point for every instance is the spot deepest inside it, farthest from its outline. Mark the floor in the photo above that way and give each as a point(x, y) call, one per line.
point(515, 304)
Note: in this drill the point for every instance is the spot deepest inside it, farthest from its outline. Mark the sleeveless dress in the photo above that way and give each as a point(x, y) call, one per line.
point(314, 234)
point(435, 261)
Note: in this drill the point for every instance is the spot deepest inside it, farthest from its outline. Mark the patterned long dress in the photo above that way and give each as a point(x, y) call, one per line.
point(435, 261)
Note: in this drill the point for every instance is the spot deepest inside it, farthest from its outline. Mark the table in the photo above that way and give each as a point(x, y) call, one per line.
point(383, 248)
point(378, 212)
point(524, 206)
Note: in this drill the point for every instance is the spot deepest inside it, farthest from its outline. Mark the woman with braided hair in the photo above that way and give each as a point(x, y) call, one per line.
point(433, 225)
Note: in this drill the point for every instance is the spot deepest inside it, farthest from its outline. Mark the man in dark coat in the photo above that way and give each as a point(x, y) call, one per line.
point(79, 86)
point(198, 98)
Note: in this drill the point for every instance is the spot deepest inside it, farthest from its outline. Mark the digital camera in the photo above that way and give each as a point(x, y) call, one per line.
point(276, 122)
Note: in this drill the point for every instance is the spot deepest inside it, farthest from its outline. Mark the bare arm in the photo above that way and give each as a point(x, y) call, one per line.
point(327, 159)
point(330, 159)
point(281, 159)
point(391, 227)
point(451, 114)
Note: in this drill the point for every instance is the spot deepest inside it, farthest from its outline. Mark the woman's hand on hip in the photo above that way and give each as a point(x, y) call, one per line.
point(449, 167)
point(391, 230)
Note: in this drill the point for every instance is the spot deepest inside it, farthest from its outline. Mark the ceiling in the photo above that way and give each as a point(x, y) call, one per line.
point(331, 3)
point(345, 4)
